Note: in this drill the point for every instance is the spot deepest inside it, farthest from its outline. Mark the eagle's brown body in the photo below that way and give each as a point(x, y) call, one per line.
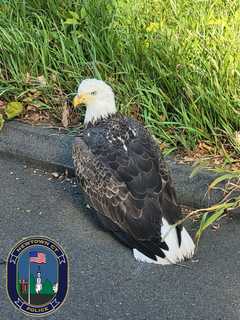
point(122, 172)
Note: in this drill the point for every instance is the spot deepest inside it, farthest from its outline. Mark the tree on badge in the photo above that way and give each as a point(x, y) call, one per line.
point(32, 285)
point(47, 288)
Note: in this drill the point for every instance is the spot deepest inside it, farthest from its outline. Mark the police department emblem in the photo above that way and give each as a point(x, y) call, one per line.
point(37, 275)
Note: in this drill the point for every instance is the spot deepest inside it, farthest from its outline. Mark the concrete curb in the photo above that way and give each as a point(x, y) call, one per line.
point(52, 149)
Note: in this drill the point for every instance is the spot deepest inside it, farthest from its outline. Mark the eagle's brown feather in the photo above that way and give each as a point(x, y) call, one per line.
point(126, 180)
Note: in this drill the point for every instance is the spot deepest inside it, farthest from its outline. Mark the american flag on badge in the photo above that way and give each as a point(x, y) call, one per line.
point(37, 257)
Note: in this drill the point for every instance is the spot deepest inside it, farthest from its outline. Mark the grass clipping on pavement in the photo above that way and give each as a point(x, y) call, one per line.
point(230, 201)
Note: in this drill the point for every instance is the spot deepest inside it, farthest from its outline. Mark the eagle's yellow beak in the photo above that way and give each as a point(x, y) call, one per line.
point(82, 99)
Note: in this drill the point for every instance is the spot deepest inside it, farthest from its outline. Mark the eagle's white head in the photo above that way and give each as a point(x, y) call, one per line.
point(98, 98)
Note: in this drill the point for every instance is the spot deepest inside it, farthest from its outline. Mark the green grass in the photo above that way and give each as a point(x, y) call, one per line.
point(228, 182)
point(178, 61)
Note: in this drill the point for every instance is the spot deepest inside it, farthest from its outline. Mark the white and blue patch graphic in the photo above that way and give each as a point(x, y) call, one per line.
point(37, 276)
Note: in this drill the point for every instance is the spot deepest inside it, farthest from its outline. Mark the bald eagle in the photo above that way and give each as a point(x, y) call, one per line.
point(124, 177)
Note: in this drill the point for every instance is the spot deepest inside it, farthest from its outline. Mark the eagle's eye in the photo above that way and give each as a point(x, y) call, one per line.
point(93, 93)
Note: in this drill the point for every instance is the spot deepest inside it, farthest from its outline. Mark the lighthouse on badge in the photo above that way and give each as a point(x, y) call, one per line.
point(38, 286)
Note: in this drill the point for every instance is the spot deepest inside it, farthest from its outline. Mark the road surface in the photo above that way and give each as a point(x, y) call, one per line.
point(105, 281)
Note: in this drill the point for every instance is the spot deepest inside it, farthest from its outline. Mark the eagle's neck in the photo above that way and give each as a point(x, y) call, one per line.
point(100, 110)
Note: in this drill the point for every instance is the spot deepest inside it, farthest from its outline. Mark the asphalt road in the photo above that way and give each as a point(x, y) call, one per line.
point(105, 281)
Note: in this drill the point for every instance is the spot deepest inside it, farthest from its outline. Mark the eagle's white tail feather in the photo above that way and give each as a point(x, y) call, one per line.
point(139, 256)
point(174, 254)
point(187, 247)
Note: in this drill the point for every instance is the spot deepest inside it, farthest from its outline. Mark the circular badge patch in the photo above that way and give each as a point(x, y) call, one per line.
point(37, 275)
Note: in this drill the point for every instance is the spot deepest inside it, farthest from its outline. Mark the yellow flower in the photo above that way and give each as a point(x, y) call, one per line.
point(146, 44)
point(153, 27)
point(217, 22)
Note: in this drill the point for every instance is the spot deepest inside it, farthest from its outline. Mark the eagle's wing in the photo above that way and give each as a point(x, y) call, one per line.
point(129, 186)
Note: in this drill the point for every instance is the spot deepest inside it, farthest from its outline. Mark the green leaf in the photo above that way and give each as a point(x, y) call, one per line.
point(83, 13)
point(40, 105)
point(220, 179)
point(200, 230)
point(195, 171)
point(71, 21)
point(206, 222)
point(1, 121)
point(74, 15)
point(13, 109)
